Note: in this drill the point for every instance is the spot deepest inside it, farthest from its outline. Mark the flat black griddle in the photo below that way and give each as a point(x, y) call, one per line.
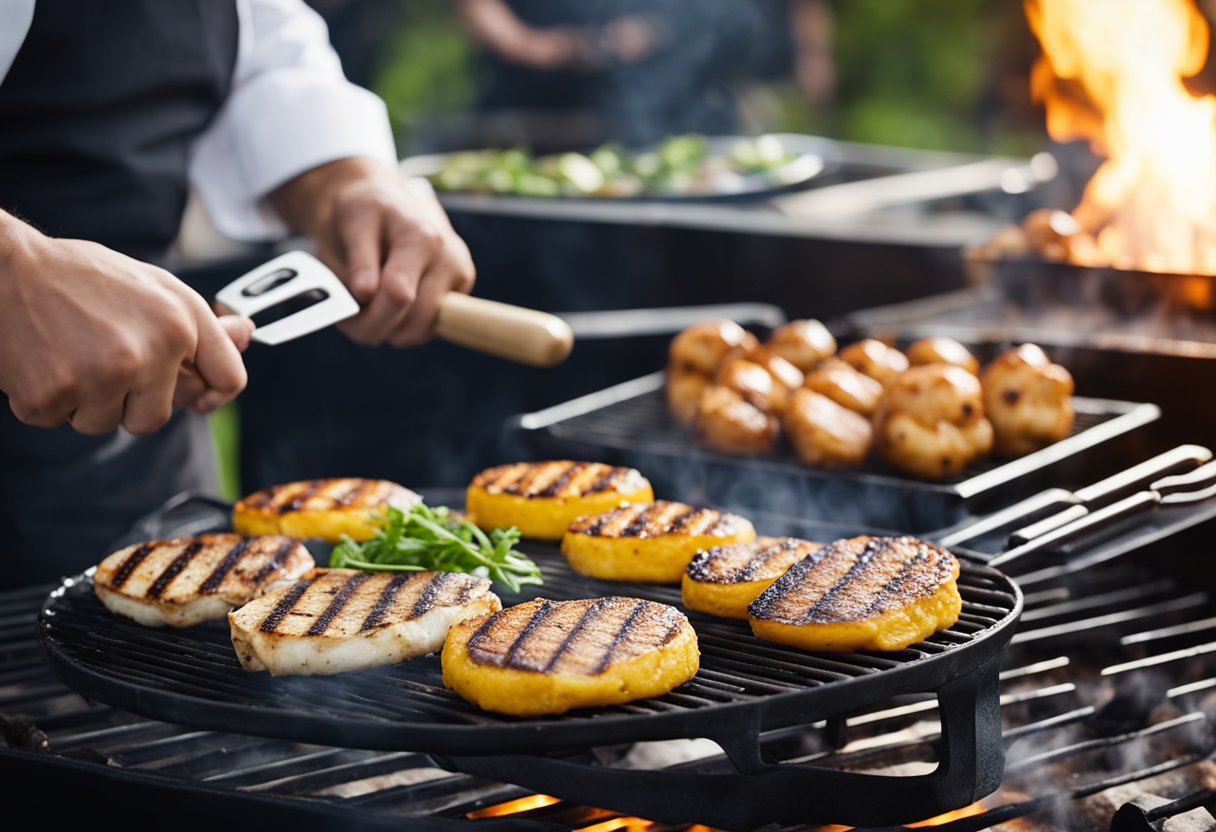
point(745, 686)
point(629, 424)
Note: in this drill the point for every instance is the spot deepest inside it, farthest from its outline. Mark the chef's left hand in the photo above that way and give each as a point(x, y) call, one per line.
point(387, 238)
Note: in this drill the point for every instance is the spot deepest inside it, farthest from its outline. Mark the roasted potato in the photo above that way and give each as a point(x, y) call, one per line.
point(1028, 399)
point(875, 359)
point(825, 434)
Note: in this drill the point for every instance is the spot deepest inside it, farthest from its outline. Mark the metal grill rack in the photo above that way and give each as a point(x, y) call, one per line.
point(629, 424)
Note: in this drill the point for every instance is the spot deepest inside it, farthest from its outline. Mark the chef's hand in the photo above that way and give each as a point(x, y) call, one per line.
point(96, 339)
point(387, 238)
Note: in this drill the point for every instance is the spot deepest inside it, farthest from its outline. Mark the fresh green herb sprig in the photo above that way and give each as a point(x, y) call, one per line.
point(431, 539)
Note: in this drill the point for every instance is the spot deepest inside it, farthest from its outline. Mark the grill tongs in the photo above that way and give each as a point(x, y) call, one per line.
point(1082, 518)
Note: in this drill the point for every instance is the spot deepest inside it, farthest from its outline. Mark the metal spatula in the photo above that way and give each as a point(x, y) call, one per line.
point(298, 279)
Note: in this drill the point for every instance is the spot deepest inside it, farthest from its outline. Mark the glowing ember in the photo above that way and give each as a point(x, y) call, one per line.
point(1112, 73)
point(629, 823)
point(513, 807)
point(965, 812)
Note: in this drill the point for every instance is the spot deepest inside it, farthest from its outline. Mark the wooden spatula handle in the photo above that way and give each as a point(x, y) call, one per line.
point(499, 329)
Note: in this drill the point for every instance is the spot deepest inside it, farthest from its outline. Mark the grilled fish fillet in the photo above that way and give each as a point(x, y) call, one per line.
point(648, 542)
point(325, 509)
point(547, 657)
point(542, 498)
point(861, 593)
point(723, 580)
point(188, 580)
point(335, 620)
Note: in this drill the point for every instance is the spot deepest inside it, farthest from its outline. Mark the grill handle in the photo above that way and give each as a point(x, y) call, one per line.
point(515, 333)
point(1137, 476)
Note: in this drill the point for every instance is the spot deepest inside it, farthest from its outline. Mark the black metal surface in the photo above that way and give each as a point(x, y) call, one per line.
point(629, 424)
point(1141, 609)
point(192, 676)
point(1127, 294)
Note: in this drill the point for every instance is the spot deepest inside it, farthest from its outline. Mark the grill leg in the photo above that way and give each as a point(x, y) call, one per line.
point(970, 711)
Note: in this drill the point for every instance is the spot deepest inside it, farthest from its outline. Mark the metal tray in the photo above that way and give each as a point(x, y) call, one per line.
point(813, 157)
point(745, 686)
point(629, 424)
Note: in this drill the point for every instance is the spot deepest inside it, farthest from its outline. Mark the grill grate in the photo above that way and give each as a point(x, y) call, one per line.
point(1052, 697)
point(192, 676)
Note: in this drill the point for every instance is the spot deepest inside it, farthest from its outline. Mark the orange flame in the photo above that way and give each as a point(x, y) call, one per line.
point(512, 807)
point(1112, 73)
point(965, 812)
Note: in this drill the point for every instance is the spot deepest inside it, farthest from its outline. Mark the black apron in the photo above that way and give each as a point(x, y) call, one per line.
point(97, 116)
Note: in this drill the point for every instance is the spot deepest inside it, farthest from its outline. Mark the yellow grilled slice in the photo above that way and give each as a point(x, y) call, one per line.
point(188, 580)
point(542, 498)
point(335, 620)
point(862, 593)
point(723, 580)
point(325, 509)
point(648, 542)
point(547, 657)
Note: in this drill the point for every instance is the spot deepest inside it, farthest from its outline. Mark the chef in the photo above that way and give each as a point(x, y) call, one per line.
point(109, 112)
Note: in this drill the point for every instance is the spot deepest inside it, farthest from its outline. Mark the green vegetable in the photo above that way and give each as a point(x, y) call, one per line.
point(678, 165)
point(431, 539)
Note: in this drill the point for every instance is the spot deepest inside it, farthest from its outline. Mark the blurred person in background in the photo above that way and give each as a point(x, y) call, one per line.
point(636, 71)
point(109, 112)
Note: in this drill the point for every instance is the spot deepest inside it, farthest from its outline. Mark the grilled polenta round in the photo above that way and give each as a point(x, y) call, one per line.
point(723, 580)
point(861, 593)
point(548, 657)
point(543, 498)
point(325, 509)
point(648, 542)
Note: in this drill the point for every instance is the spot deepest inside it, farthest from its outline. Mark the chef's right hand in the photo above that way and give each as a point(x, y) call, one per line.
point(98, 340)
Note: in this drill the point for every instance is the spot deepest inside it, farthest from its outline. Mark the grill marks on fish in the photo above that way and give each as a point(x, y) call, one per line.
point(855, 579)
point(584, 637)
point(383, 603)
point(128, 566)
point(213, 581)
point(348, 602)
point(290, 598)
point(335, 606)
point(761, 559)
point(557, 478)
point(276, 561)
point(181, 570)
point(432, 589)
point(657, 519)
point(174, 569)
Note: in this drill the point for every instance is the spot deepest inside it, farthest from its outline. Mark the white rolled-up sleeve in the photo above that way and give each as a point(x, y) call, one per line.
point(290, 109)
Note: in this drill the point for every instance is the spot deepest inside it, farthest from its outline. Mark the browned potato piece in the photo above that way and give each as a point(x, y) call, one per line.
point(1028, 399)
point(935, 393)
point(875, 359)
point(704, 346)
point(931, 422)
point(726, 422)
point(825, 434)
point(932, 450)
point(802, 343)
point(683, 390)
point(943, 351)
point(754, 383)
point(845, 385)
point(782, 371)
